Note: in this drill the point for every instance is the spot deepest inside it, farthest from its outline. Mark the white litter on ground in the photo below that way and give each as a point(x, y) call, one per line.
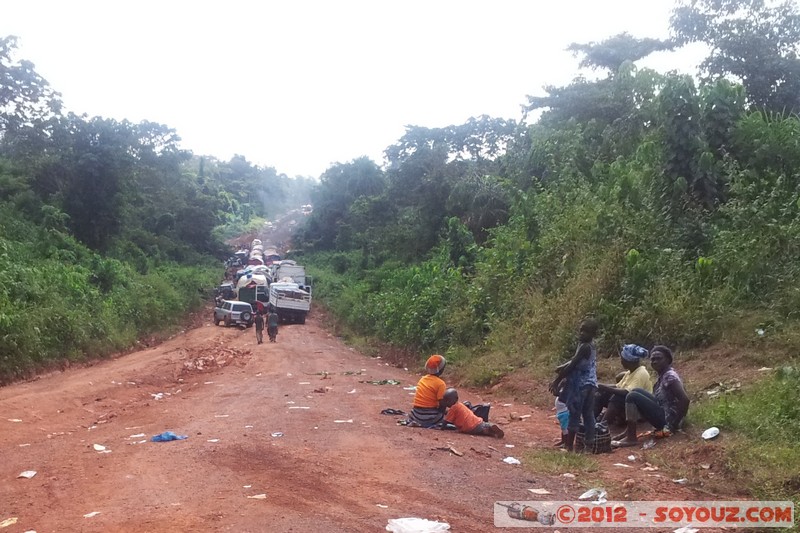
point(416, 525)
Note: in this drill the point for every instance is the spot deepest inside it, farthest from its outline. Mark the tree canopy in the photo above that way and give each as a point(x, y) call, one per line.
point(756, 41)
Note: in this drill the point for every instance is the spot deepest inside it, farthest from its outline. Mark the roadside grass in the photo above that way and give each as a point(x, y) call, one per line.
point(556, 462)
point(760, 427)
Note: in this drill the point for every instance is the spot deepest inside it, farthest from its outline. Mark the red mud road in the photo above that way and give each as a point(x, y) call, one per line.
point(229, 396)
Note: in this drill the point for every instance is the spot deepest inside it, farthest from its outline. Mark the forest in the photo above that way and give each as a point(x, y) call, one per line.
point(665, 205)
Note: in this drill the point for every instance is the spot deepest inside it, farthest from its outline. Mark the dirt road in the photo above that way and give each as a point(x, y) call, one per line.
point(293, 421)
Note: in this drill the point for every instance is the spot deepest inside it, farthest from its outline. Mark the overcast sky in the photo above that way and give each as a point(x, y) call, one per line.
point(300, 85)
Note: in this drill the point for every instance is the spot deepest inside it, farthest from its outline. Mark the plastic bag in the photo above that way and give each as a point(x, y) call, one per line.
point(167, 436)
point(416, 525)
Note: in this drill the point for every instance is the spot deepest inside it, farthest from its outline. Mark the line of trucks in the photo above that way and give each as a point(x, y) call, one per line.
point(259, 277)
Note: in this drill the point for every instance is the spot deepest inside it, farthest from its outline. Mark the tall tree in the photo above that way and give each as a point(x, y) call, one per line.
point(754, 40)
point(613, 52)
point(340, 186)
point(25, 97)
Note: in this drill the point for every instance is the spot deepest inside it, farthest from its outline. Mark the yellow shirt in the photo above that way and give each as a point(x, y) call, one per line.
point(430, 389)
point(638, 379)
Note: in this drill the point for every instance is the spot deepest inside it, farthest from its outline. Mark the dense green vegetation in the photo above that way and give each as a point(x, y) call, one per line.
point(108, 230)
point(668, 208)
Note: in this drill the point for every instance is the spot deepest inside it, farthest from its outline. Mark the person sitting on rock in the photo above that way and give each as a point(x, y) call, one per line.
point(465, 420)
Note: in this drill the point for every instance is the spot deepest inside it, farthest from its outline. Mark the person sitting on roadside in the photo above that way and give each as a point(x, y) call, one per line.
point(636, 376)
point(465, 420)
point(665, 409)
point(428, 407)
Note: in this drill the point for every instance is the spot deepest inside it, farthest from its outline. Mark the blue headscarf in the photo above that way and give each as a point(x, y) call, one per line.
point(633, 352)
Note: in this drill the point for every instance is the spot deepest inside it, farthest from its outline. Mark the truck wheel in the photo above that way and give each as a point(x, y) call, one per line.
point(302, 319)
point(246, 317)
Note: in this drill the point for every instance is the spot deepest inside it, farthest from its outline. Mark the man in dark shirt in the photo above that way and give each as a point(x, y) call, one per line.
point(272, 324)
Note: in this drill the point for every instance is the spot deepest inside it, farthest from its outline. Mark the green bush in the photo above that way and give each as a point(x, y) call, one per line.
point(60, 301)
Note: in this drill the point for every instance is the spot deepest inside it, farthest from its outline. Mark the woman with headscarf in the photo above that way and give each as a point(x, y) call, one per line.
point(635, 376)
point(429, 406)
point(665, 409)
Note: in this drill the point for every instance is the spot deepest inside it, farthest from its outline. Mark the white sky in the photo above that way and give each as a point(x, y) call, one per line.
point(298, 85)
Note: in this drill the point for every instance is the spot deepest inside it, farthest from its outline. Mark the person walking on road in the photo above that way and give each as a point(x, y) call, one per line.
point(259, 328)
point(272, 324)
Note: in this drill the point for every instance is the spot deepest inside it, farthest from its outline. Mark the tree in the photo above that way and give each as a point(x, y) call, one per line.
point(617, 109)
point(431, 169)
point(614, 51)
point(340, 186)
point(754, 40)
point(25, 97)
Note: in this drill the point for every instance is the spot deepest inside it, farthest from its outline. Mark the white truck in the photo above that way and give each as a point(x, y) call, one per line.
point(289, 270)
point(290, 301)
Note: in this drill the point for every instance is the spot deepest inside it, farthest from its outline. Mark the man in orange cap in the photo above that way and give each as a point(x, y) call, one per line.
point(428, 408)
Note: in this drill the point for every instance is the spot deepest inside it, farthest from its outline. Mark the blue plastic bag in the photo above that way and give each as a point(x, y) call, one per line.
point(168, 435)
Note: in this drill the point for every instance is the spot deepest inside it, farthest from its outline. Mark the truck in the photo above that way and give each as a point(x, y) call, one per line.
point(288, 270)
point(253, 288)
point(290, 301)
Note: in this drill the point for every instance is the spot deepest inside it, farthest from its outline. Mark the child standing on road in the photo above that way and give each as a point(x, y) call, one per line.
point(580, 380)
point(562, 415)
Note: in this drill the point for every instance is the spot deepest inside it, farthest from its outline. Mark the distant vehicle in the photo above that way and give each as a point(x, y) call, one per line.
point(271, 255)
point(226, 291)
point(231, 312)
point(288, 270)
point(306, 209)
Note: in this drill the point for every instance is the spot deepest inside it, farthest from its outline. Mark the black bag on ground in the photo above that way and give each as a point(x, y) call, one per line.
point(481, 410)
point(602, 440)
